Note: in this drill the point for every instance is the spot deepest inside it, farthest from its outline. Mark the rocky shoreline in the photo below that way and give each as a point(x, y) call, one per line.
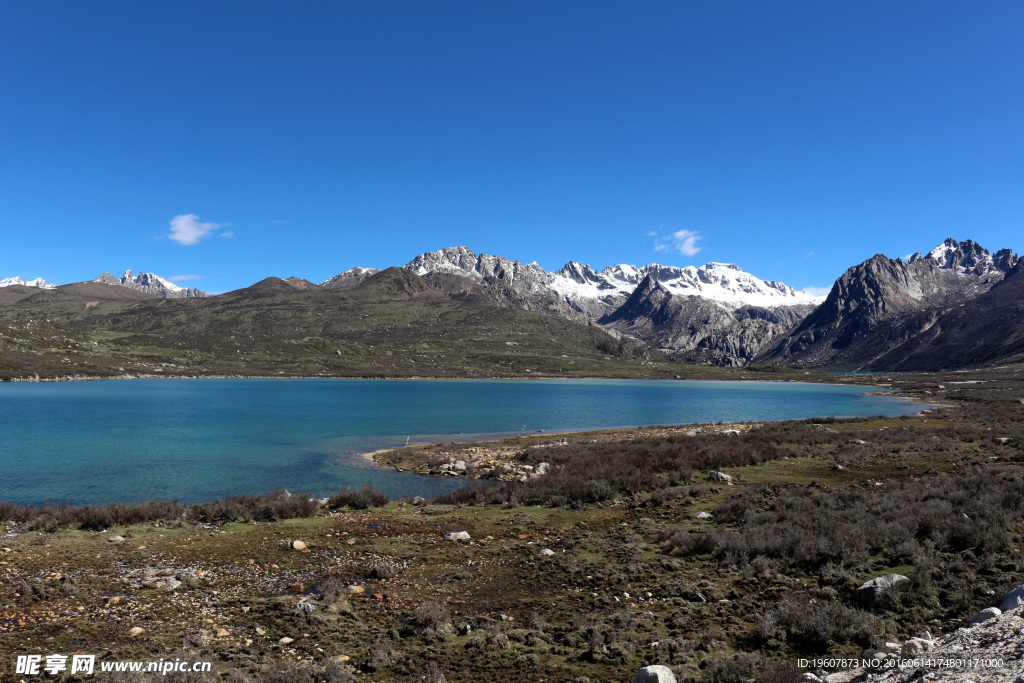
point(497, 459)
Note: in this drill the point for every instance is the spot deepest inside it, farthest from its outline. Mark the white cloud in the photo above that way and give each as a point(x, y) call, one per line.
point(817, 291)
point(181, 278)
point(227, 234)
point(683, 241)
point(187, 230)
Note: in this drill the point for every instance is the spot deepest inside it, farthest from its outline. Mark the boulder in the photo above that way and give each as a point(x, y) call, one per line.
point(115, 539)
point(547, 552)
point(458, 536)
point(304, 607)
point(871, 590)
point(715, 475)
point(298, 545)
point(459, 466)
point(986, 614)
point(655, 674)
point(703, 515)
point(1013, 599)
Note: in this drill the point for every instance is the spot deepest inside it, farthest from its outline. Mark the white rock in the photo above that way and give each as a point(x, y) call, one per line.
point(719, 476)
point(870, 591)
point(985, 615)
point(655, 674)
point(1013, 599)
point(547, 552)
point(916, 646)
point(286, 641)
point(115, 539)
point(458, 536)
point(703, 515)
point(459, 466)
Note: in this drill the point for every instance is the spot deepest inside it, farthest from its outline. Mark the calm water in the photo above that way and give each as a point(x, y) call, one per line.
point(105, 441)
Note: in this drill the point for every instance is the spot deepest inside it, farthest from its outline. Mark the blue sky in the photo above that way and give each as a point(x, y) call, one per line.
point(792, 138)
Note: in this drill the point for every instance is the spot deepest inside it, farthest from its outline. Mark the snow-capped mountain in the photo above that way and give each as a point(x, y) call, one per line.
point(150, 283)
point(350, 278)
point(886, 303)
point(715, 313)
point(38, 282)
point(596, 293)
point(969, 258)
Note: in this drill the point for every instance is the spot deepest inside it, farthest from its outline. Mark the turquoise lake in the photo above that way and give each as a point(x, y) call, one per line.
point(118, 441)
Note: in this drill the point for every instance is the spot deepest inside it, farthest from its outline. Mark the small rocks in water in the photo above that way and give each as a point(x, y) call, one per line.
point(547, 552)
point(286, 641)
point(715, 475)
point(304, 607)
point(703, 515)
point(115, 539)
point(136, 631)
point(1013, 599)
point(655, 674)
point(870, 591)
point(986, 614)
point(298, 545)
point(458, 536)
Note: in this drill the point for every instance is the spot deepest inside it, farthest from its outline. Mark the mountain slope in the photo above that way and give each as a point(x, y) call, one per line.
point(883, 303)
point(989, 329)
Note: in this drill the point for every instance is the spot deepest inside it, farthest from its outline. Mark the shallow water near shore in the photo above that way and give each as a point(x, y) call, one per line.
point(193, 440)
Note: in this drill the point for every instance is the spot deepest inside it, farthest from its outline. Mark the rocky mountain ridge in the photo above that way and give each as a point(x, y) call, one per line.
point(882, 304)
point(151, 283)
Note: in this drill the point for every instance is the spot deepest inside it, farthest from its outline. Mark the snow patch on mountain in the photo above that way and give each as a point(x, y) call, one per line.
point(150, 283)
point(596, 292)
point(38, 282)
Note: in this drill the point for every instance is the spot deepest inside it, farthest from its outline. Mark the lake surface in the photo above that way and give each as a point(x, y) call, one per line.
point(187, 439)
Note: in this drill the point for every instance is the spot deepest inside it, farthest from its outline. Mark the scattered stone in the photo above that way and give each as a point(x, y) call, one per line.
point(223, 633)
point(304, 607)
point(1013, 599)
point(298, 545)
point(915, 646)
point(286, 641)
point(715, 475)
point(459, 466)
point(870, 591)
point(547, 552)
point(136, 631)
point(115, 539)
point(655, 674)
point(458, 536)
point(171, 584)
point(986, 614)
point(703, 515)
point(355, 589)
